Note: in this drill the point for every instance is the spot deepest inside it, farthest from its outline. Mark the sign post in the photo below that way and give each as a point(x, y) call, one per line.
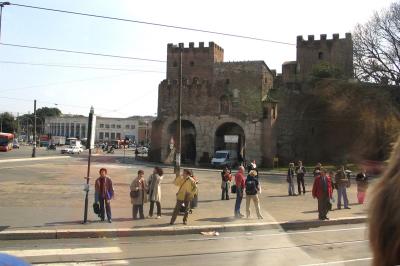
point(89, 145)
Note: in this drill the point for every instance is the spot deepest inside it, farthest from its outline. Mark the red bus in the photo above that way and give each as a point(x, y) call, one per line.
point(6, 141)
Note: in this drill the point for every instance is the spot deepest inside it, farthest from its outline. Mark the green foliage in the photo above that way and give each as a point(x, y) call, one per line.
point(7, 123)
point(46, 111)
point(325, 70)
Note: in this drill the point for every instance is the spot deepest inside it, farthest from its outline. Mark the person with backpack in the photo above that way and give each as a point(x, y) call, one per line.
point(154, 191)
point(187, 190)
point(226, 177)
point(104, 192)
point(252, 190)
point(290, 179)
point(138, 195)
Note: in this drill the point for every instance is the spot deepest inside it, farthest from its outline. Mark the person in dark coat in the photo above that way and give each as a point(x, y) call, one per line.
point(322, 190)
point(104, 193)
point(300, 172)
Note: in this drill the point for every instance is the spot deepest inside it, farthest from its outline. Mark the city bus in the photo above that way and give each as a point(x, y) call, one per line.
point(6, 141)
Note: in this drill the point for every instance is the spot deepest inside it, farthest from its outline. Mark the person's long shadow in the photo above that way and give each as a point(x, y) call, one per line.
point(90, 221)
point(218, 220)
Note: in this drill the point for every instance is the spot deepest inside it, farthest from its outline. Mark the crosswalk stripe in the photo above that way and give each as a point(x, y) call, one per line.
point(64, 251)
point(94, 263)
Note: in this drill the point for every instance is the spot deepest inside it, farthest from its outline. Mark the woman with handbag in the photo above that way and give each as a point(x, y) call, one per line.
point(154, 185)
point(104, 191)
point(138, 195)
point(187, 190)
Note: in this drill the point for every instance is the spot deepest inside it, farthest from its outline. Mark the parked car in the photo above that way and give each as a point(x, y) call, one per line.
point(142, 149)
point(15, 144)
point(71, 150)
point(224, 158)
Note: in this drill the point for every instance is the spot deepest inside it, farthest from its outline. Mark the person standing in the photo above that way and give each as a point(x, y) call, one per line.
point(240, 183)
point(104, 192)
point(290, 179)
point(136, 153)
point(300, 172)
point(138, 195)
point(317, 169)
point(187, 190)
point(322, 190)
point(226, 177)
point(154, 191)
point(362, 185)
point(252, 190)
point(341, 183)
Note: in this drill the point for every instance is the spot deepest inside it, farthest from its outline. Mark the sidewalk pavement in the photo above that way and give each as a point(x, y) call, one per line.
point(52, 207)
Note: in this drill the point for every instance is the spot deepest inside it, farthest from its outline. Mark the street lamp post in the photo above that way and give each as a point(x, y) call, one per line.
point(34, 129)
point(179, 117)
point(2, 4)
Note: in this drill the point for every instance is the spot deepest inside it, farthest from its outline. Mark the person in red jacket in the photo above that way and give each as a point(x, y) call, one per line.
point(322, 190)
point(240, 180)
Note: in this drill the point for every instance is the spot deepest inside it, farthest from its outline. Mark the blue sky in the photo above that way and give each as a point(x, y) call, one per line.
point(122, 93)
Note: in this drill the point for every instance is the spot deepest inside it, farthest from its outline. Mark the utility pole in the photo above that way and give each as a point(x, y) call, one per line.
point(179, 118)
point(34, 130)
point(91, 135)
point(2, 4)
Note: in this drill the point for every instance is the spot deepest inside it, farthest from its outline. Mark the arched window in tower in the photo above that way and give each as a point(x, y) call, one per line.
point(320, 55)
point(224, 104)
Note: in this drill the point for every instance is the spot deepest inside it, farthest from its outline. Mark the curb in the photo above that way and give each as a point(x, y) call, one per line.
point(171, 230)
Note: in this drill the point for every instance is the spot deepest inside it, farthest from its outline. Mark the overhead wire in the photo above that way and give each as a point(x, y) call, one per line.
point(79, 66)
point(154, 24)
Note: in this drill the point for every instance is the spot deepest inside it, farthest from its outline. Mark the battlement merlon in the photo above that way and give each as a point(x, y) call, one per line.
point(173, 48)
point(323, 37)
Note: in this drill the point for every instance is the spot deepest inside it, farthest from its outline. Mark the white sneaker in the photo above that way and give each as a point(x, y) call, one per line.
point(158, 217)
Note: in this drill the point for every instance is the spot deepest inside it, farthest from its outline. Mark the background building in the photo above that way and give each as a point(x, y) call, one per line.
point(107, 128)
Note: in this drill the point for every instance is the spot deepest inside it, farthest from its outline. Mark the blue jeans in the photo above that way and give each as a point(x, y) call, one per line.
point(291, 188)
point(239, 197)
point(341, 192)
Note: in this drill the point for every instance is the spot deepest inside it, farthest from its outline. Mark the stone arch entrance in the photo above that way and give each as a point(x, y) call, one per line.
point(188, 147)
point(230, 136)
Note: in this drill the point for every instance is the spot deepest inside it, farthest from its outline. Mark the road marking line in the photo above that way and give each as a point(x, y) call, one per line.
point(277, 234)
point(86, 263)
point(336, 262)
point(66, 251)
point(34, 159)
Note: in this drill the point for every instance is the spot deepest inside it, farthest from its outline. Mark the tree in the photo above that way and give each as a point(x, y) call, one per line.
point(7, 123)
point(376, 47)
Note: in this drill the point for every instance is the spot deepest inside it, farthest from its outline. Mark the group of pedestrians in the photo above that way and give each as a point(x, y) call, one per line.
point(299, 172)
point(249, 185)
point(142, 191)
point(325, 183)
point(147, 190)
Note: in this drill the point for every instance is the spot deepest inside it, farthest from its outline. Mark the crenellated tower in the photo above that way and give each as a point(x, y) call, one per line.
point(197, 62)
point(336, 52)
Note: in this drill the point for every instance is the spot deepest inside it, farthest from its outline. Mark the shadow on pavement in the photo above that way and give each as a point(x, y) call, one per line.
point(3, 228)
point(217, 220)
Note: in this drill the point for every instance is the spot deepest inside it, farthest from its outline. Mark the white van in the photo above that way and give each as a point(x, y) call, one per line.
point(224, 157)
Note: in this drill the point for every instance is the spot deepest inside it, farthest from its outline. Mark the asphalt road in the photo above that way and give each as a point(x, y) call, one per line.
point(328, 245)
